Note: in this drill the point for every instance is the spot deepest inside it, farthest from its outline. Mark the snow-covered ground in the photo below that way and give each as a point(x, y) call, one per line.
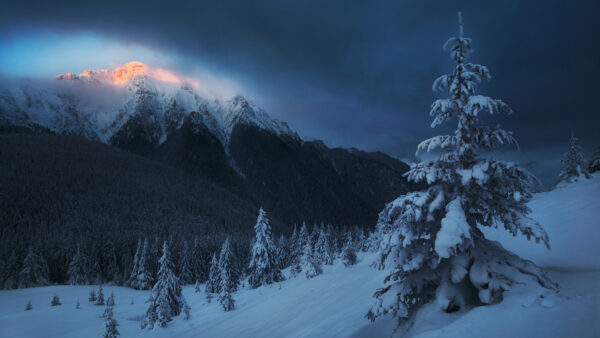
point(334, 304)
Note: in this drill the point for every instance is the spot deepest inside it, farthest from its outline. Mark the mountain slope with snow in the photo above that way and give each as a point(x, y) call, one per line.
point(334, 304)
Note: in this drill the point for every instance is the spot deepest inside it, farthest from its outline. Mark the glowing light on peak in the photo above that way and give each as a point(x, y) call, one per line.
point(121, 75)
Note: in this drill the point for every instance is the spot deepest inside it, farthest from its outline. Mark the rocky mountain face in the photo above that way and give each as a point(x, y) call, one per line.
point(232, 143)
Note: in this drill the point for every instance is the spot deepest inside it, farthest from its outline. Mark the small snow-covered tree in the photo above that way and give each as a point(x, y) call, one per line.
point(349, 251)
point(263, 268)
point(77, 305)
point(111, 299)
point(100, 299)
point(431, 239)
point(35, 270)
point(110, 324)
point(225, 298)
point(282, 252)
point(28, 306)
point(310, 265)
point(197, 286)
point(573, 162)
point(132, 281)
point(92, 297)
point(323, 249)
point(143, 278)
point(185, 267)
point(226, 262)
point(214, 278)
point(166, 300)
point(594, 165)
point(77, 272)
point(55, 301)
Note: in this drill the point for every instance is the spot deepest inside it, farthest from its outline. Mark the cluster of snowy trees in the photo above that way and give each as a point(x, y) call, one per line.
point(574, 163)
point(431, 242)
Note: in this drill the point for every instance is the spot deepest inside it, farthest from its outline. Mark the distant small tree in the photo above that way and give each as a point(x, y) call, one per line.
point(348, 251)
point(132, 281)
point(100, 299)
point(186, 274)
point(77, 272)
point(55, 301)
point(111, 299)
point(35, 270)
point(197, 286)
point(573, 162)
point(28, 306)
point(323, 249)
point(213, 282)
point(310, 265)
point(226, 262)
point(110, 324)
point(263, 268)
point(225, 298)
point(77, 305)
point(92, 297)
point(594, 165)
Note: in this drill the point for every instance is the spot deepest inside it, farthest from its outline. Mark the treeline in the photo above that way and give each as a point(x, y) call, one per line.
point(133, 262)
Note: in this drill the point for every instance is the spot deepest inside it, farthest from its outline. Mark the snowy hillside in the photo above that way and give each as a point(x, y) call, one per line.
point(334, 304)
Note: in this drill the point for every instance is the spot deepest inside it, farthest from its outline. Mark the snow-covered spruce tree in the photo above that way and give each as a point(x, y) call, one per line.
point(323, 249)
point(349, 251)
point(197, 286)
point(226, 262)
point(100, 298)
point(77, 272)
point(110, 324)
point(92, 297)
point(34, 271)
point(573, 162)
point(263, 268)
point(430, 240)
point(594, 165)
point(166, 300)
point(55, 301)
point(214, 276)
point(28, 306)
point(78, 305)
point(132, 281)
point(225, 298)
point(282, 252)
point(310, 265)
point(111, 299)
point(185, 265)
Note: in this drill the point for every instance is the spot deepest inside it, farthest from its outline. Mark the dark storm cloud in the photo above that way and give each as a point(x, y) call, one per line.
point(360, 73)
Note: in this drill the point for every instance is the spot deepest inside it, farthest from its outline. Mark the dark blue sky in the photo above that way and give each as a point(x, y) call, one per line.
point(353, 74)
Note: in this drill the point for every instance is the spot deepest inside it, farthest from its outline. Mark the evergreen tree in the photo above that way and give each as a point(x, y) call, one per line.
point(111, 299)
point(110, 324)
point(77, 305)
point(348, 251)
point(108, 263)
point(92, 297)
point(100, 299)
point(144, 274)
point(11, 271)
point(132, 281)
point(282, 252)
point(225, 298)
point(166, 300)
point(594, 165)
point(263, 268)
point(28, 306)
point(78, 268)
point(310, 265)
point(573, 162)
point(197, 286)
point(55, 301)
point(323, 250)
point(431, 239)
point(226, 262)
point(34, 272)
point(214, 278)
point(185, 266)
